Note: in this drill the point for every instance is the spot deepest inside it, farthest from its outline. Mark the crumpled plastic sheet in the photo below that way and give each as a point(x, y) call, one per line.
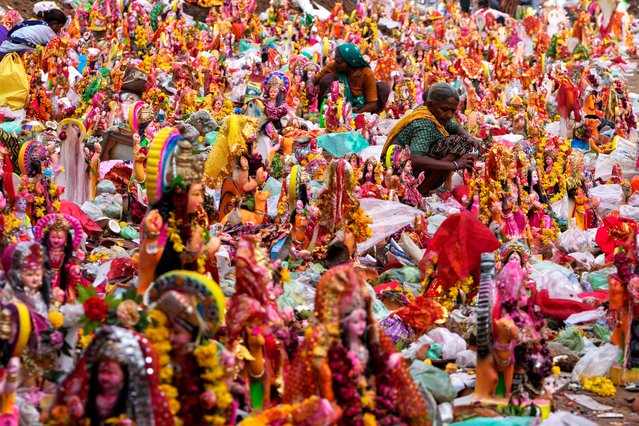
point(610, 198)
point(573, 240)
point(388, 218)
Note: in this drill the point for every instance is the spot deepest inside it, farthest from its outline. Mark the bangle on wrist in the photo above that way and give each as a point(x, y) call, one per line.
point(456, 165)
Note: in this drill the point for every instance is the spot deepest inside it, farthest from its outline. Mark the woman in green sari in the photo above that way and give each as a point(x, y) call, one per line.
point(361, 89)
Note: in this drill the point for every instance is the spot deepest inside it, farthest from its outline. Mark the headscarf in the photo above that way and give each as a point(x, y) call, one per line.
point(352, 56)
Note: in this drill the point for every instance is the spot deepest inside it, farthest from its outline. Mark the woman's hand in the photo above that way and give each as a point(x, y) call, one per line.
point(466, 162)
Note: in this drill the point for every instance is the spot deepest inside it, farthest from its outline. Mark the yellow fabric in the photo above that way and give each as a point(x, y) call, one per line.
point(14, 90)
point(419, 113)
point(230, 143)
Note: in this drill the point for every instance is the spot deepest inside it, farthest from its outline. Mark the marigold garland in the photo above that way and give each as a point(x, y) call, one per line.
point(158, 334)
point(207, 357)
point(556, 177)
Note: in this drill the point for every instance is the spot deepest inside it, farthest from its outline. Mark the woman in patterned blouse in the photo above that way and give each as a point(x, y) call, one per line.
point(437, 142)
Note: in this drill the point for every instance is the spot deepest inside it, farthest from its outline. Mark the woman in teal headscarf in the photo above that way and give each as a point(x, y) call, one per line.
point(361, 89)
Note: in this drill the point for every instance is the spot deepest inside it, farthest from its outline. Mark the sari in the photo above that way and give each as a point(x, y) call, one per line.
point(353, 57)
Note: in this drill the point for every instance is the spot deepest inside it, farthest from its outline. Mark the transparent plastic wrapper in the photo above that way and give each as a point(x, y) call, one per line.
point(466, 359)
point(597, 362)
point(611, 197)
point(388, 218)
point(296, 293)
point(451, 343)
point(573, 240)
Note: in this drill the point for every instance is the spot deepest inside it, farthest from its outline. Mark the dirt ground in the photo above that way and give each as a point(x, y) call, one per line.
point(621, 403)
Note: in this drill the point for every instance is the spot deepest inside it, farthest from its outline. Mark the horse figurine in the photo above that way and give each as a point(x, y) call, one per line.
point(502, 360)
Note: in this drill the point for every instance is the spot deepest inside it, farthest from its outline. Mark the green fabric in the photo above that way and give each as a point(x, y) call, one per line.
point(420, 134)
point(433, 379)
point(340, 144)
point(352, 56)
point(601, 333)
point(356, 101)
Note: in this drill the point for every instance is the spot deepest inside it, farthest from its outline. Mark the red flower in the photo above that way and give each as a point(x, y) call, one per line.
point(96, 309)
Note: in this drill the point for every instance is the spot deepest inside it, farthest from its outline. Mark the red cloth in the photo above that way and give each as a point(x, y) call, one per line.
point(559, 308)
point(121, 269)
point(459, 243)
point(72, 209)
point(615, 232)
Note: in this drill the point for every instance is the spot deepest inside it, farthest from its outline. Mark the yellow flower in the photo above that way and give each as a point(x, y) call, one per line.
point(285, 274)
point(369, 420)
point(164, 359)
point(600, 385)
point(157, 317)
point(206, 355)
point(85, 340)
point(556, 371)
point(166, 374)
point(169, 391)
point(174, 406)
point(56, 318)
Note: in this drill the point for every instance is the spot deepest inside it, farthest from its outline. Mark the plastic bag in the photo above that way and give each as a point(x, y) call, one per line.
point(388, 218)
point(466, 359)
point(560, 282)
point(14, 90)
point(597, 362)
point(598, 280)
point(629, 211)
point(405, 274)
point(451, 343)
point(573, 240)
point(610, 198)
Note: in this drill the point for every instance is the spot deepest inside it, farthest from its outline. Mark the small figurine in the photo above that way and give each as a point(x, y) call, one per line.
point(73, 179)
point(186, 310)
point(116, 381)
point(345, 356)
point(177, 216)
